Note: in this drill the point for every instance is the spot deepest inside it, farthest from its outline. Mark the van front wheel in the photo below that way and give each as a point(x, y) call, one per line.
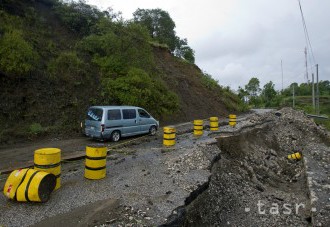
point(115, 136)
point(153, 130)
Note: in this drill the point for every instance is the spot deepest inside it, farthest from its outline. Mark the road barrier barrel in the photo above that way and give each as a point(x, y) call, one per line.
point(214, 124)
point(29, 185)
point(198, 127)
point(232, 120)
point(95, 162)
point(169, 136)
point(296, 156)
point(49, 160)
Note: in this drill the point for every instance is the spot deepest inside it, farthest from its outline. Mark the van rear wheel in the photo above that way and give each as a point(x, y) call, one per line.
point(153, 130)
point(115, 136)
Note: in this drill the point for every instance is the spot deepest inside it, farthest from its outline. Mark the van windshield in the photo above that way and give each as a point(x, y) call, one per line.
point(94, 114)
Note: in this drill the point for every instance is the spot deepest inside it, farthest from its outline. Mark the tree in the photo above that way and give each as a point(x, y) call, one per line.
point(115, 50)
point(67, 67)
point(79, 16)
point(139, 89)
point(182, 50)
point(253, 87)
point(324, 87)
point(16, 55)
point(269, 93)
point(161, 28)
point(253, 90)
point(242, 94)
point(159, 24)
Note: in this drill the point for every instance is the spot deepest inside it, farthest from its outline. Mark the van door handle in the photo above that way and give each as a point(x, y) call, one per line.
point(135, 121)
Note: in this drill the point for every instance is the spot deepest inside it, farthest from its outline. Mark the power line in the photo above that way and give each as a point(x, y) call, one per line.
point(298, 75)
point(308, 42)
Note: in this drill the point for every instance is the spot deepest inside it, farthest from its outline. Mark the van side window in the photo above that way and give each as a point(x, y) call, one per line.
point(143, 113)
point(129, 114)
point(114, 115)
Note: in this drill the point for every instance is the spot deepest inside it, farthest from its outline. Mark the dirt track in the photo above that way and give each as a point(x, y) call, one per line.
point(19, 154)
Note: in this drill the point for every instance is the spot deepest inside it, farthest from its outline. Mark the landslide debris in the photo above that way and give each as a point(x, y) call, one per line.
point(254, 183)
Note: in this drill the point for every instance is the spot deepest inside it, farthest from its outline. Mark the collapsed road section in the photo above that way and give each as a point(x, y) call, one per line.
point(200, 181)
point(255, 184)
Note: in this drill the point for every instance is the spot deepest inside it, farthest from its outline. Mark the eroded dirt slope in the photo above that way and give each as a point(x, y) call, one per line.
point(196, 100)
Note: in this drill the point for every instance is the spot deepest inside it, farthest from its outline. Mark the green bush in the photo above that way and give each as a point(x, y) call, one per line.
point(209, 82)
point(67, 67)
point(137, 88)
point(17, 56)
point(36, 129)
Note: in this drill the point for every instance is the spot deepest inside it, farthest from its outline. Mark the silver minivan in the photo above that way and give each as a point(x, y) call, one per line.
point(114, 122)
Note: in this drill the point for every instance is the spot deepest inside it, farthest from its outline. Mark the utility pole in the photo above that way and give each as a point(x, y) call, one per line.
point(313, 92)
point(282, 74)
point(293, 96)
point(317, 91)
point(306, 65)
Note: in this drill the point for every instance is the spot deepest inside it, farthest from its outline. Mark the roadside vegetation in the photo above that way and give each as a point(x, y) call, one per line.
point(268, 97)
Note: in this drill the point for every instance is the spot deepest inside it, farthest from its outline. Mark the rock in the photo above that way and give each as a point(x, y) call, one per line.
point(120, 161)
point(111, 221)
point(273, 152)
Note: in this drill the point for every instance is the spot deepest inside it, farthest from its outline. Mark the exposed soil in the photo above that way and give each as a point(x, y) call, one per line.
point(196, 101)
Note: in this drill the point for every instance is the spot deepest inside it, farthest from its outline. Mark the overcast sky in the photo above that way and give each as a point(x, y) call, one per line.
point(235, 40)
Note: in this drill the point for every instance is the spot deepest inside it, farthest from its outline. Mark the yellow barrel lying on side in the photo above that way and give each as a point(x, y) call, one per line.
point(95, 162)
point(12, 183)
point(29, 185)
point(49, 160)
point(232, 120)
point(169, 136)
point(296, 156)
point(198, 127)
point(214, 124)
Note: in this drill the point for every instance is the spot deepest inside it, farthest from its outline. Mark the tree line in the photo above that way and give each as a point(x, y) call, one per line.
point(268, 96)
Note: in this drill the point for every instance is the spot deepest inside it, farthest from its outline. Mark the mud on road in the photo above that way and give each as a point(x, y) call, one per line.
point(201, 181)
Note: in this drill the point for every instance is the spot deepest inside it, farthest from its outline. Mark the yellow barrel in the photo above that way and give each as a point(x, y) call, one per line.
point(29, 185)
point(169, 136)
point(96, 161)
point(12, 183)
point(296, 156)
point(232, 120)
point(49, 160)
point(198, 127)
point(214, 124)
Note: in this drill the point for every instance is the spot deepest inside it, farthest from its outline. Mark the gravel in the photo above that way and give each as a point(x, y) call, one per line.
point(147, 182)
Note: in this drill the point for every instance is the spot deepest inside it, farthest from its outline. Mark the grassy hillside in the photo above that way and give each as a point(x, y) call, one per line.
point(56, 59)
